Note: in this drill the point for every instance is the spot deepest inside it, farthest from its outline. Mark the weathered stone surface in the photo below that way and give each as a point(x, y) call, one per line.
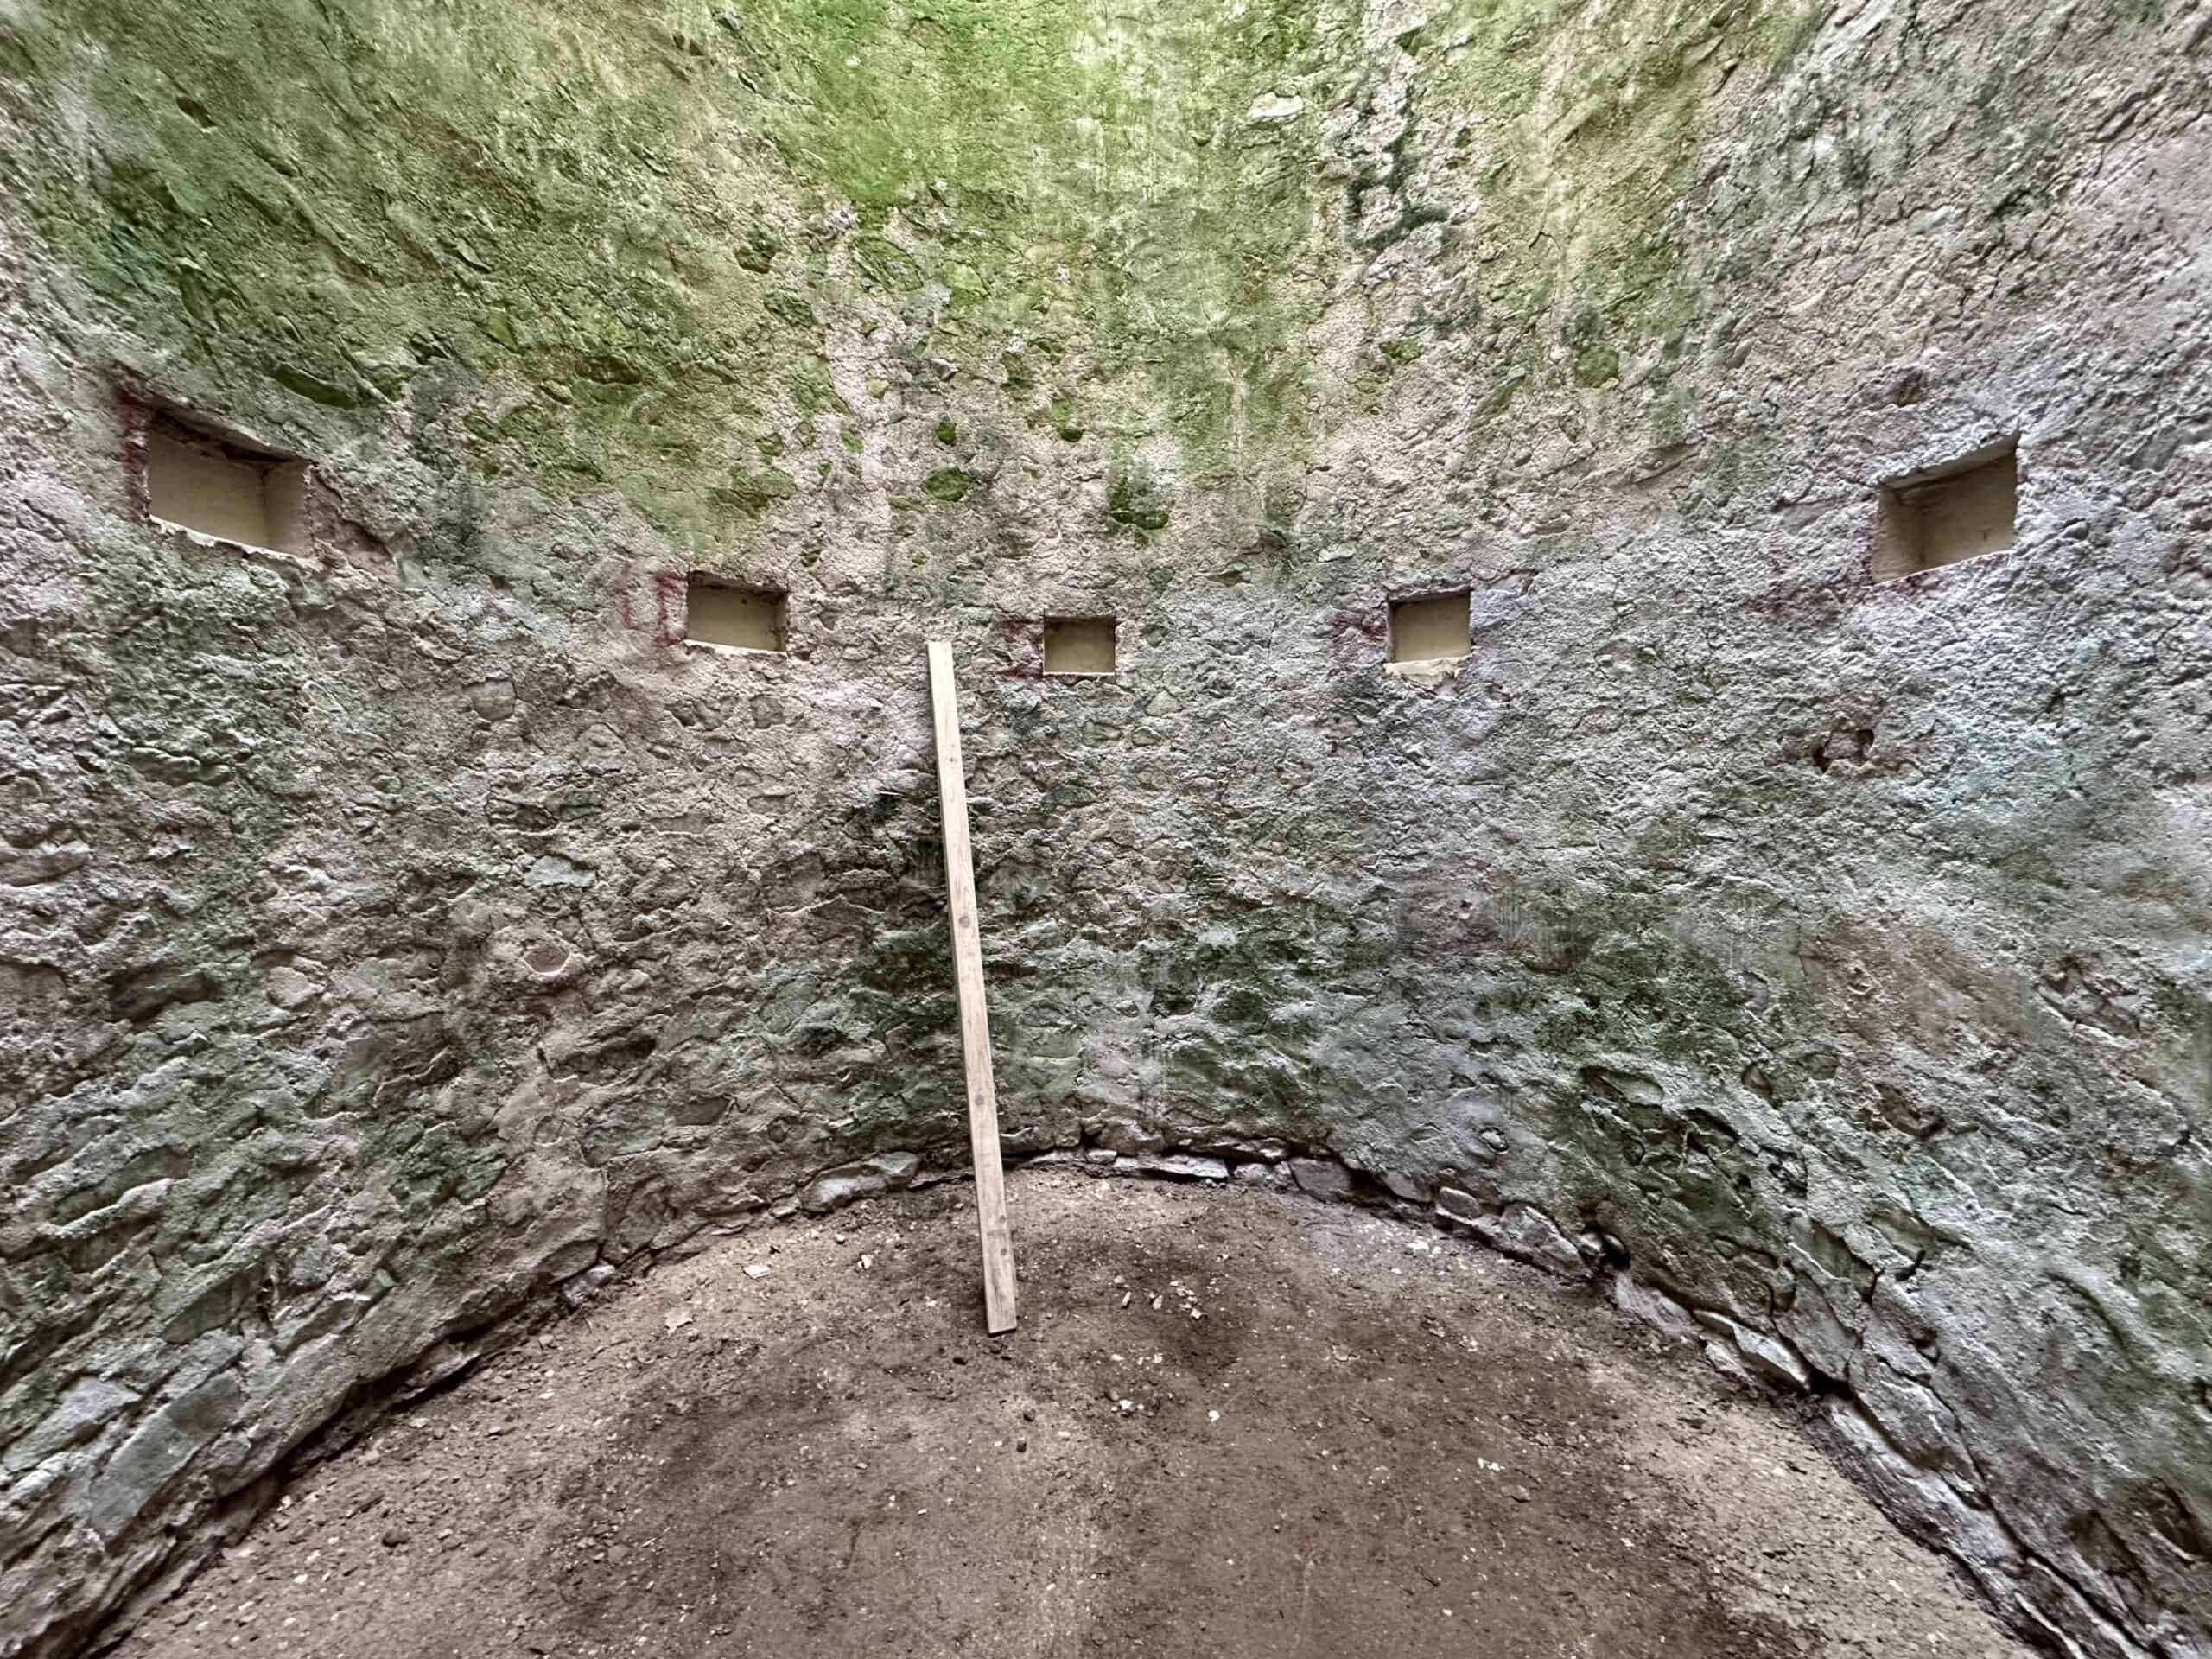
point(1525, 1232)
point(1322, 1178)
point(871, 1176)
point(1454, 1205)
point(160, 1447)
point(1765, 1356)
point(1413, 1188)
point(1177, 1165)
point(401, 933)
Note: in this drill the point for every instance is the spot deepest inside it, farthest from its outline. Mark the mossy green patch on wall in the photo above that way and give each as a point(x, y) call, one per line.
point(373, 189)
point(393, 185)
point(635, 244)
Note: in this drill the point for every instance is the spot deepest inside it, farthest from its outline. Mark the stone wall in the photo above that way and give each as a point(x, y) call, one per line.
point(410, 929)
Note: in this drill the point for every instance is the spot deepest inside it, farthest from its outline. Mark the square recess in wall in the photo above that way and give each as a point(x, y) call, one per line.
point(1958, 511)
point(209, 483)
point(1430, 629)
point(1078, 644)
point(718, 613)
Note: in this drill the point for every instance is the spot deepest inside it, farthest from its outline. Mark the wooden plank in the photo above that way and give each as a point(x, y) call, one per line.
point(974, 1021)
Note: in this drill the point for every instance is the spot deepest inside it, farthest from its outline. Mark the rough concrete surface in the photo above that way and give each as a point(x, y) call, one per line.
point(401, 936)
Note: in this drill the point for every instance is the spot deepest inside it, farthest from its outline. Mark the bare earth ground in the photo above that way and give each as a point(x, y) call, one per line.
point(1342, 1436)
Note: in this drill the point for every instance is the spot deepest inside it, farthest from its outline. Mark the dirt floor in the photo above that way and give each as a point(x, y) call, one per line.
point(1232, 1423)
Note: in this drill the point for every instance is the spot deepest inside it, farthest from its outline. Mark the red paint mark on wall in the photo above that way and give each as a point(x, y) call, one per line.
point(1368, 623)
point(1022, 639)
point(670, 605)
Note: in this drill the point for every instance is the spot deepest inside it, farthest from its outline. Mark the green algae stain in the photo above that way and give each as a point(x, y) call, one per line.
point(1135, 502)
point(753, 493)
point(1042, 158)
point(1595, 122)
point(646, 213)
point(370, 174)
point(793, 309)
point(1596, 362)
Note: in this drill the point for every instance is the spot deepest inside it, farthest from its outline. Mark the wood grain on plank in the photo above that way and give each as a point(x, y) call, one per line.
point(975, 1021)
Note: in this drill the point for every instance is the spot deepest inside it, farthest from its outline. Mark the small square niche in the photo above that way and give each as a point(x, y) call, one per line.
point(211, 485)
point(718, 613)
point(1958, 511)
point(1433, 628)
point(1078, 644)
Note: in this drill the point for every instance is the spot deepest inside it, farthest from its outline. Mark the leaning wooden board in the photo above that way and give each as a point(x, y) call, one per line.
point(974, 1021)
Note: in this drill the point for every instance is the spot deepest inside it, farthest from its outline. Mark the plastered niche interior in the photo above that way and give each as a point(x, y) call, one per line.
point(1078, 644)
point(1948, 514)
point(200, 481)
point(1433, 628)
point(718, 613)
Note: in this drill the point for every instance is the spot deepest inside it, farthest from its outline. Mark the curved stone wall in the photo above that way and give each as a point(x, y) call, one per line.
point(407, 927)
